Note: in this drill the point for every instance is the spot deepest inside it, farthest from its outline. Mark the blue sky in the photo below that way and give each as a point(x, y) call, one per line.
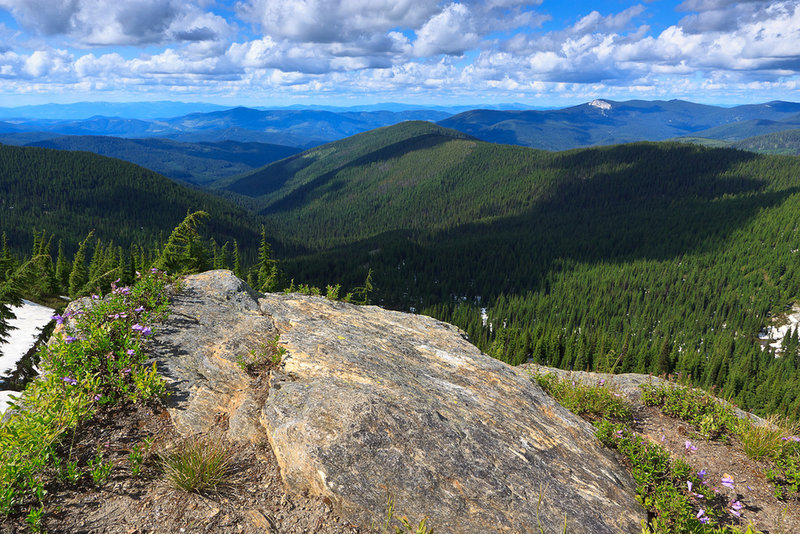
point(349, 52)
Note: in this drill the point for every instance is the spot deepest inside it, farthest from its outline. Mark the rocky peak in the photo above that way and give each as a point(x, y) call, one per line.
point(368, 403)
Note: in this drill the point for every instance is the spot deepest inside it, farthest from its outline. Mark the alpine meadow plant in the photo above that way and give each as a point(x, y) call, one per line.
point(94, 358)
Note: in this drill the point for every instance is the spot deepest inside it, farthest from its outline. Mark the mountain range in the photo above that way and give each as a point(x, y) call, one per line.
point(600, 122)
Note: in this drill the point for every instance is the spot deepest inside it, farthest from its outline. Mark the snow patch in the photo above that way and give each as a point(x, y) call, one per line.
point(31, 318)
point(772, 336)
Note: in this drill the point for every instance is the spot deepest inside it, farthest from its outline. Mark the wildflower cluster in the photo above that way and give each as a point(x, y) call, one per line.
point(95, 357)
point(678, 498)
point(711, 418)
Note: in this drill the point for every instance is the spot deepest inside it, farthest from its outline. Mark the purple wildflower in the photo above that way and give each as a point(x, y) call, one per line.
point(130, 352)
point(701, 515)
point(689, 447)
point(95, 297)
point(154, 270)
point(60, 320)
point(619, 433)
point(144, 330)
point(70, 339)
point(663, 437)
point(727, 481)
point(792, 438)
point(139, 309)
point(602, 381)
point(126, 371)
point(701, 473)
point(69, 380)
point(689, 484)
point(735, 508)
point(97, 397)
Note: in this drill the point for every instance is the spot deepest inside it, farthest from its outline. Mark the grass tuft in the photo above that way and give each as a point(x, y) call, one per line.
point(199, 464)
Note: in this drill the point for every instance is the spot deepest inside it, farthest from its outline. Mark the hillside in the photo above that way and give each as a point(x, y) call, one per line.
point(786, 142)
point(641, 257)
point(197, 163)
point(70, 193)
point(606, 122)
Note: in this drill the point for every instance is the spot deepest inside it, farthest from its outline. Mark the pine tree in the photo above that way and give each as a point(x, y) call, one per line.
point(183, 252)
point(63, 269)
point(79, 276)
point(266, 277)
point(237, 260)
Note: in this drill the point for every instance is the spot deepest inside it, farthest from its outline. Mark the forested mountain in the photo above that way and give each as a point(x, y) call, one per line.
point(785, 142)
point(67, 194)
point(643, 257)
point(750, 128)
point(197, 163)
point(605, 122)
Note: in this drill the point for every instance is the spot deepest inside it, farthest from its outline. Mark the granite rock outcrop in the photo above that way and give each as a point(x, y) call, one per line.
point(367, 403)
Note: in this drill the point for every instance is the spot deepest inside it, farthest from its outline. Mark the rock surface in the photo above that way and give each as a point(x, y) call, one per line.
point(368, 403)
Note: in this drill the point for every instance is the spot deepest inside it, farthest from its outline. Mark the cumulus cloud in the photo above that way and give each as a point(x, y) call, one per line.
point(450, 32)
point(327, 21)
point(117, 22)
point(401, 47)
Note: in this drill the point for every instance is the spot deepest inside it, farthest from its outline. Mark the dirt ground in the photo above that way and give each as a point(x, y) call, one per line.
point(761, 509)
point(254, 500)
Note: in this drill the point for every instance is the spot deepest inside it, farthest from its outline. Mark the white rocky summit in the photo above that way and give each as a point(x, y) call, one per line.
point(600, 104)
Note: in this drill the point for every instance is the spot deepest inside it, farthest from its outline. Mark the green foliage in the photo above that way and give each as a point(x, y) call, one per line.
point(89, 363)
point(589, 401)
point(765, 440)
point(99, 470)
point(183, 252)
point(661, 484)
point(710, 417)
point(267, 356)
point(138, 455)
point(198, 464)
point(402, 525)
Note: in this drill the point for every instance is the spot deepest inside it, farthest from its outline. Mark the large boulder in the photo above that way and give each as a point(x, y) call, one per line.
point(369, 403)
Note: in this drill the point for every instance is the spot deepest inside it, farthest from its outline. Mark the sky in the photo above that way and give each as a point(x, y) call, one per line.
point(546, 53)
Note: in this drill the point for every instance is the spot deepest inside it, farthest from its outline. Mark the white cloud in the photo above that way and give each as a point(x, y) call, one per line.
point(117, 22)
point(450, 32)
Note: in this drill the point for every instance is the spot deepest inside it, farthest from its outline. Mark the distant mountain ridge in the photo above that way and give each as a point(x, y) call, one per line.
point(607, 122)
point(298, 128)
point(599, 122)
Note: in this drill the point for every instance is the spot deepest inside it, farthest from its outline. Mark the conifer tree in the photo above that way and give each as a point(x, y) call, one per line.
point(183, 251)
point(79, 276)
point(63, 268)
point(266, 276)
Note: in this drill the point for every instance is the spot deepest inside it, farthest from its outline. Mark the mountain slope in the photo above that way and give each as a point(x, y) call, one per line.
point(197, 163)
point(70, 193)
